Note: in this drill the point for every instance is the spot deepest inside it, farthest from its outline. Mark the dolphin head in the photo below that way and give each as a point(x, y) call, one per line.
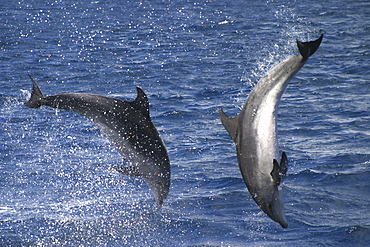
point(159, 185)
point(273, 206)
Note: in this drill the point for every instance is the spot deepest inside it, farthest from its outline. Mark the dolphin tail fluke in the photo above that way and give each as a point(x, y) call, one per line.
point(230, 124)
point(36, 95)
point(308, 48)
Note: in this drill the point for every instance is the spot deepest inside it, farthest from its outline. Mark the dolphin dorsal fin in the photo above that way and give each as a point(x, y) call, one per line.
point(141, 102)
point(279, 171)
point(230, 124)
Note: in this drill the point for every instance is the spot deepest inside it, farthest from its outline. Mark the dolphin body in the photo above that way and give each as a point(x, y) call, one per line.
point(127, 125)
point(254, 134)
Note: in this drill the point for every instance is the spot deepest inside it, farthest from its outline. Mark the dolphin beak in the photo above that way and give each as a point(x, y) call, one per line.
point(274, 208)
point(278, 216)
point(283, 223)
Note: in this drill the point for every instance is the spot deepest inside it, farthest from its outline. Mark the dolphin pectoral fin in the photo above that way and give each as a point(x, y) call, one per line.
point(36, 95)
point(132, 171)
point(230, 124)
point(279, 171)
point(276, 172)
point(284, 164)
point(308, 48)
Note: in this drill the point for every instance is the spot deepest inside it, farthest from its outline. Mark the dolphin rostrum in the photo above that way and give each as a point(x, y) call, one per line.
point(127, 125)
point(254, 134)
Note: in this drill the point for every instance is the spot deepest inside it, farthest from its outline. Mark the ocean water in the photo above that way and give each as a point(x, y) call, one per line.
point(58, 185)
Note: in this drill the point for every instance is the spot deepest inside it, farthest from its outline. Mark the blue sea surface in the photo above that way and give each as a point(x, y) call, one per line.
point(58, 185)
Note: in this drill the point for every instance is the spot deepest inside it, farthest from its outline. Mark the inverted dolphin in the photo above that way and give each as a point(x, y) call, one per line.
point(127, 125)
point(254, 134)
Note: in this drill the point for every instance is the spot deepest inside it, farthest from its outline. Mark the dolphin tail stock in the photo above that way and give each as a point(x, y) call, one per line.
point(308, 48)
point(230, 124)
point(36, 95)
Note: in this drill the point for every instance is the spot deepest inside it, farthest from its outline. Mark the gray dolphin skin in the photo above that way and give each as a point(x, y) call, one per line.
point(254, 133)
point(127, 125)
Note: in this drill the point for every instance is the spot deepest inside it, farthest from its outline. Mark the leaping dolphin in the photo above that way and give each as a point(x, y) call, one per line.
point(254, 134)
point(127, 125)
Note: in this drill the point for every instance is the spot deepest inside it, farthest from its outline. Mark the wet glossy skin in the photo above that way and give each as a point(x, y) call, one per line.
point(254, 133)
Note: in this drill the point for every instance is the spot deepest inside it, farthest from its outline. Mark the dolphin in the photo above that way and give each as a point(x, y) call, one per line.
point(127, 125)
point(254, 133)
